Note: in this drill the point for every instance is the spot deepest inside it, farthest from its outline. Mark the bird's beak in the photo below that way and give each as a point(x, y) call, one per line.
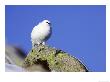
point(49, 23)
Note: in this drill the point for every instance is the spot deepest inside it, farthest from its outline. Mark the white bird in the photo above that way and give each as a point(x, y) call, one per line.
point(41, 33)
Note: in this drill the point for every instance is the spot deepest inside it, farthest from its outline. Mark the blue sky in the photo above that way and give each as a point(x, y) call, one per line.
point(78, 30)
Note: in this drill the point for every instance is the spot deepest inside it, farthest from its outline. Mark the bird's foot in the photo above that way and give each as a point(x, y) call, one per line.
point(38, 44)
point(35, 45)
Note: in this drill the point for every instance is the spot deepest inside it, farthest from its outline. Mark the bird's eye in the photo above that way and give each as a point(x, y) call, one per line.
point(46, 22)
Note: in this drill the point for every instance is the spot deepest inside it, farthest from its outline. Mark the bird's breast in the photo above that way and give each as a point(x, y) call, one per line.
point(40, 33)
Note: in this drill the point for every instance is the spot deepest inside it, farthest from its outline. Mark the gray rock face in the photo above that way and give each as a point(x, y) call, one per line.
point(14, 55)
point(14, 58)
point(13, 68)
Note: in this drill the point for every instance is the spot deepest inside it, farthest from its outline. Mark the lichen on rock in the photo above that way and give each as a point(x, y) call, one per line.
point(52, 59)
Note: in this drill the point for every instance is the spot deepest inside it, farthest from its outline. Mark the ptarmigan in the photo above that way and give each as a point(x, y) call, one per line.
point(41, 33)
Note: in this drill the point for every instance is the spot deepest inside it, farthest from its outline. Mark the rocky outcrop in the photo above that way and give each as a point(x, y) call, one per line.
point(46, 58)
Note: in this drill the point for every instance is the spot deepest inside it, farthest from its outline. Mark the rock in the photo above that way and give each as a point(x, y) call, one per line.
point(46, 58)
point(14, 55)
point(13, 68)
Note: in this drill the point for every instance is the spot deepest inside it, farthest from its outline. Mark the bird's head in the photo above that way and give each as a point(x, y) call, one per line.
point(46, 22)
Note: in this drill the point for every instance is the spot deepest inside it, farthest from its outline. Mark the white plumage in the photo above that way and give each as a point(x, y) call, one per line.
point(41, 33)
